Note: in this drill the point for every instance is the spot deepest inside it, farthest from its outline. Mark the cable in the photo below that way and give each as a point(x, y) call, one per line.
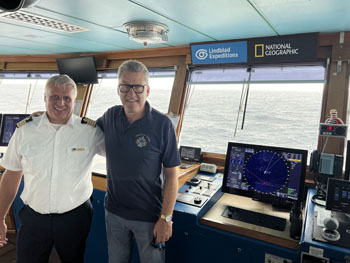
point(316, 200)
point(324, 146)
point(320, 190)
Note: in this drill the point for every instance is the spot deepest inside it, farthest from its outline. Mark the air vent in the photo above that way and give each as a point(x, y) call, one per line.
point(28, 18)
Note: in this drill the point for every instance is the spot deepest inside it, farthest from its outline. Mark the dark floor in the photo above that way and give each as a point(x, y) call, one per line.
point(8, 253)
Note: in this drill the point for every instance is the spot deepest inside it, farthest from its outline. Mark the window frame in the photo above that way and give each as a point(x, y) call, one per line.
point(321, 64)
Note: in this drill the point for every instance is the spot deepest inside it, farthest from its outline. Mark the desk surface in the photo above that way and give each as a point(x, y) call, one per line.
point(213, 218)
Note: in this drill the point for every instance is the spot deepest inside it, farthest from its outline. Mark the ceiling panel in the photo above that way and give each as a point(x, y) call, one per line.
point(298, 16)
point(188, 22)
point(9, 49)
point(108, 13)
point(219, 19)
point(110, 19)
point(21, 30)
point(34, 45)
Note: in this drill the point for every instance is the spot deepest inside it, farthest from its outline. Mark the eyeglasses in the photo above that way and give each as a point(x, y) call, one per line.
point(125, 88)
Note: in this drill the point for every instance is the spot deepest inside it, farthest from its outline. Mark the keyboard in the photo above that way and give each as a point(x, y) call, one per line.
point(256, 218)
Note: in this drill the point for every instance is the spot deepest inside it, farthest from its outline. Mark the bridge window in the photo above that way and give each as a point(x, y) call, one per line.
point(278, 106)
point(104, 94)
point(21, 95)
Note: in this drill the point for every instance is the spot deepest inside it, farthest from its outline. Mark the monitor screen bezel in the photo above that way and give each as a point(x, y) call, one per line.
point(260, 196)
point(89, 69)
point(3, 126)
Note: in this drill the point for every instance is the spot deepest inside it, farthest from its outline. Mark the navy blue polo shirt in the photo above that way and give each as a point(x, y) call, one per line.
point(135, 155)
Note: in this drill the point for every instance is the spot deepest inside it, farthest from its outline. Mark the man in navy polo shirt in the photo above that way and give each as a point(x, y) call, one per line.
point(142, 170)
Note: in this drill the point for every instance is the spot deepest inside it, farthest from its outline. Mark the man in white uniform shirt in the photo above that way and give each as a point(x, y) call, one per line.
point(54, 153)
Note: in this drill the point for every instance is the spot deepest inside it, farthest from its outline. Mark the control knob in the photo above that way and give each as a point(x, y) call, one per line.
point(197, 200)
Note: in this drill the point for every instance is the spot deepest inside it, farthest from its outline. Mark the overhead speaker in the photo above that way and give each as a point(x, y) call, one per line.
point(15, 5)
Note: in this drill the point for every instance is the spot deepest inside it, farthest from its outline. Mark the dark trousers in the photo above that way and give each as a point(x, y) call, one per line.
point(39, 233)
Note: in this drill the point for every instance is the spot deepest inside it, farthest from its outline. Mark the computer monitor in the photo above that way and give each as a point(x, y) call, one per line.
point(81, 69)
point(338, 195)
point(8, 126)
point(270, 174)
point(191, 154)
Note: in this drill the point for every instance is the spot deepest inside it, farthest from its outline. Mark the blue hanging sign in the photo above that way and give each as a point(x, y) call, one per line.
point(218, 53)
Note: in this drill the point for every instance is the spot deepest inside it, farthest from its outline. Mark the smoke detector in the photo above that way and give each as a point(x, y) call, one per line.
point(147, 32)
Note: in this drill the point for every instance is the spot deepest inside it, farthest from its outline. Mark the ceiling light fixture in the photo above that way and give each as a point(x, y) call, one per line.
point(35, 20)
point(147, 32)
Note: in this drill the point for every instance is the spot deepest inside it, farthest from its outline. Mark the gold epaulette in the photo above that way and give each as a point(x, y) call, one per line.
point(24, 121)
point(88, 121)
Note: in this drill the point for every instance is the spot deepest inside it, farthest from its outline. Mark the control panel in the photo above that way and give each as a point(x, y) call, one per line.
point(199, 189)
point(325, 235)
point(197, 199)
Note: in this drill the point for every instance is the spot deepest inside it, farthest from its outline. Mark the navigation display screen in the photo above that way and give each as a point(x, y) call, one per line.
point(338, 195)
point(191, 154)
point(266, 173)
point(8, 126)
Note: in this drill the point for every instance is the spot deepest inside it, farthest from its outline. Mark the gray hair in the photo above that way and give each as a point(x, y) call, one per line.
point(61, 81)
point(133, 66)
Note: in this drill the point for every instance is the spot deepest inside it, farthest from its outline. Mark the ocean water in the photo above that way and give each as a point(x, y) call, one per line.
point(284, 115)
point(276, 115)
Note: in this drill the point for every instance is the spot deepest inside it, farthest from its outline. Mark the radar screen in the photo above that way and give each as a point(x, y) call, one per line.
point(266, 170)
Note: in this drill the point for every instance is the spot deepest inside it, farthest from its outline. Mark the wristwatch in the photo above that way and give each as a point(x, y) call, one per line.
point(166, 218)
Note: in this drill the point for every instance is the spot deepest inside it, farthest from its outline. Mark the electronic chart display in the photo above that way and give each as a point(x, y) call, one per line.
point(8, 126)
point(266, 173)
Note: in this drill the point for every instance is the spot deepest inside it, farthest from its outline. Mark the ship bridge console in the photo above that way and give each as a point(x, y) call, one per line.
point(250, 211)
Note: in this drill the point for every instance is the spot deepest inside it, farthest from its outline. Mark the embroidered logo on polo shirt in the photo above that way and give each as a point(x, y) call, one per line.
point(142, 140)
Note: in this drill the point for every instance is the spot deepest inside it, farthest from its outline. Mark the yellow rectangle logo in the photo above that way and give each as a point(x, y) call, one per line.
point(259, 50)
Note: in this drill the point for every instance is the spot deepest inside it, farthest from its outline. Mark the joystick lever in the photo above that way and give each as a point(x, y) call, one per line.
point(330, 232)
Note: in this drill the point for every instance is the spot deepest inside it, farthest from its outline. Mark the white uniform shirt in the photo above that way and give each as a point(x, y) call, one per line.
point(56, 164)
